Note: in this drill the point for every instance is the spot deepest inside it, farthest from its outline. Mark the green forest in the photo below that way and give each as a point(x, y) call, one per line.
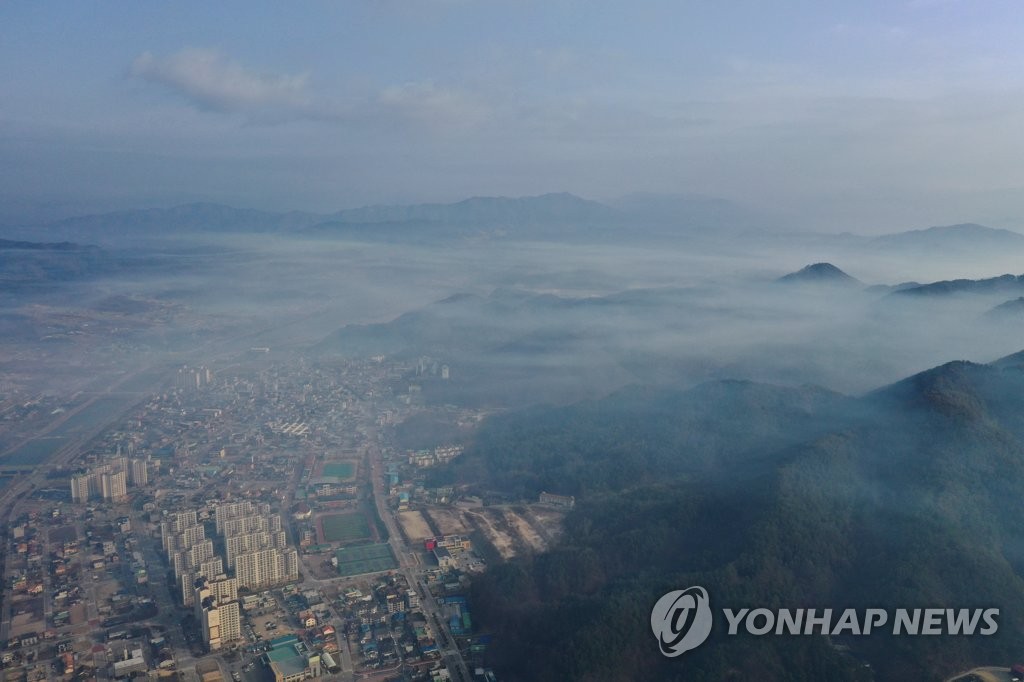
point(908, 497)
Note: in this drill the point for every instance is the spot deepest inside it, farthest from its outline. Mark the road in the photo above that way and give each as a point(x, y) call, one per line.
point(408, 565)
point(167, 610)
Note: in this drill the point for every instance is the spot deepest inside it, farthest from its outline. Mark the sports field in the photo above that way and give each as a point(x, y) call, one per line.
point(348, 527)
point(365, 559)
point(342, 470)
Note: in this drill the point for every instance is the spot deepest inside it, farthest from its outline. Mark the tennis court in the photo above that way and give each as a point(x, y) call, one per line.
point(365, 559)
point(342, 470)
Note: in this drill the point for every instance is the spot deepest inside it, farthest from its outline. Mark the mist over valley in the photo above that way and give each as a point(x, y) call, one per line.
point(462, 341)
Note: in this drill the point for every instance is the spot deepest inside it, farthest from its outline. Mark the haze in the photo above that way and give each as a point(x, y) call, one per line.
point(514, 317)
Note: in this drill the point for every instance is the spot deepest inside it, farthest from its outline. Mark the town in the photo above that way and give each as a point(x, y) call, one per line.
point(255, 519)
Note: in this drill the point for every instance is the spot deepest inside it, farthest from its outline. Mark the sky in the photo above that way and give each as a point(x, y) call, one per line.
point(863, 116)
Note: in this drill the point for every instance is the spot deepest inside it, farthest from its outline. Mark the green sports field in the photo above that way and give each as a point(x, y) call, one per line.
point(348, 527)
point(342, 470)
point(365, 559)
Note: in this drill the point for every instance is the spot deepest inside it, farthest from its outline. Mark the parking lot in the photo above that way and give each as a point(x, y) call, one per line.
point(267, 619)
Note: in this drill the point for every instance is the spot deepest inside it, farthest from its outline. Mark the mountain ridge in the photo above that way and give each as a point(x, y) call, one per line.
point(43, 246)
point(990, 285)
point(946, 240)
point(894, 499)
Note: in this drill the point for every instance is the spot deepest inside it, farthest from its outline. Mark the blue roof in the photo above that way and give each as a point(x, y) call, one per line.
point(283, 640)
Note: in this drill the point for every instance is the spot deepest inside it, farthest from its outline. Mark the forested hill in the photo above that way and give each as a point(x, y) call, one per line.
point(642, 434)
point(907, 497)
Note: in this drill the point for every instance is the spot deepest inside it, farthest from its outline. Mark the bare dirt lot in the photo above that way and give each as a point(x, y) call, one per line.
point(449, 522)
point(414, 525)
point(510, 530)
point(492, 524)
point(63, 534)
point(525, 531)
point(26, 615)
point(106, 588)
point(78, 614)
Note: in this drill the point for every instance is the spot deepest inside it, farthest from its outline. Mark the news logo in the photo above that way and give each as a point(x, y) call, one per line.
point(681, 620)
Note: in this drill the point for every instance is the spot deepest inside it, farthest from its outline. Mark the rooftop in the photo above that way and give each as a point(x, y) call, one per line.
point(280, 654)
point(292, 665)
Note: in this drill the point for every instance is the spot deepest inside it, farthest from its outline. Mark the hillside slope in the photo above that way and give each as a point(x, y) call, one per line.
point(906, 497)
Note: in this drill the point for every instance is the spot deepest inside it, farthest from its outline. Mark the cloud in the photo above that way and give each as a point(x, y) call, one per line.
point(213, 82)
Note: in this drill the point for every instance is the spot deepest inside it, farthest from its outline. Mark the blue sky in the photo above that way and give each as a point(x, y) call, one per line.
point(837, 115)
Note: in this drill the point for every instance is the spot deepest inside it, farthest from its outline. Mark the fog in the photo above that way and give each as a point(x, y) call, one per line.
point(584, 355)
point(588, 317)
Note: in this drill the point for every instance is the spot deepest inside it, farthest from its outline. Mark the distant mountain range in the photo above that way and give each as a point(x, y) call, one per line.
point(556, 215)
point(464, 218)
point(547, 216)
point(8, 244)
point(477, 212)
point(484, 211)
point(948, 239)
point(200, 217)
point(720, 224)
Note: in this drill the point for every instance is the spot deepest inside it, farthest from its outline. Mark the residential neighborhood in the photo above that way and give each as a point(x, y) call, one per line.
point(257, 522)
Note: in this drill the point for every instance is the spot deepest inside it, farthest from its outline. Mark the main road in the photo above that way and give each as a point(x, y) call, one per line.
point(408, 565)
